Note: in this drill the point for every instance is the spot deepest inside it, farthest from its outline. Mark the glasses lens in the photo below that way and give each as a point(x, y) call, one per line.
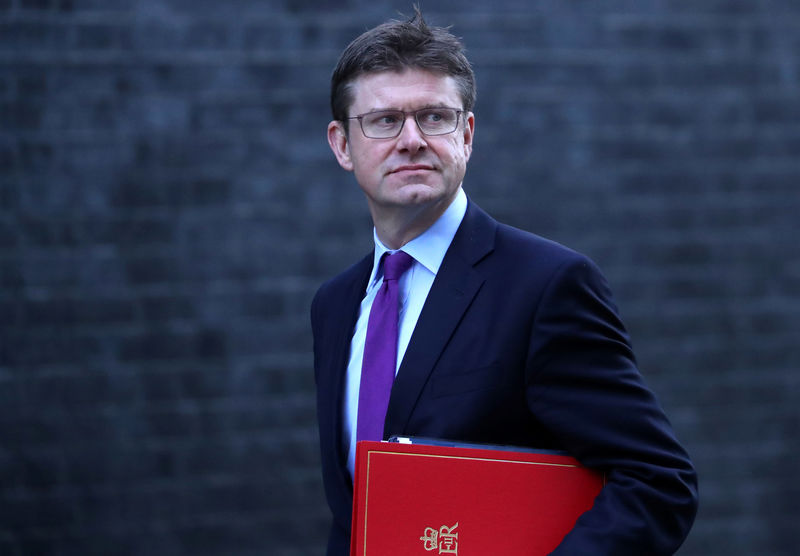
point(437, 121)
point(382, 125)
point(385, 124)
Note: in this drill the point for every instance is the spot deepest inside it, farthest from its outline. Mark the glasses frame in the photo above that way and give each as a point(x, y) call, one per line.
point(405, 114)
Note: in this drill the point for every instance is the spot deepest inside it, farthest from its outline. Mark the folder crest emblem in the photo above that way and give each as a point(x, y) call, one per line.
point(444, 539)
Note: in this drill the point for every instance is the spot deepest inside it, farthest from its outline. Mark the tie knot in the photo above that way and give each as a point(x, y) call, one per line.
point(396, 264)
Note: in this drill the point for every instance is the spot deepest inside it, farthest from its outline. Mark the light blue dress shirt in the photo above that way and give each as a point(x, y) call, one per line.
point(428, 250)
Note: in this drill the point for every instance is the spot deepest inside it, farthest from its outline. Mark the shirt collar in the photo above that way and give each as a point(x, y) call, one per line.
point(428, 248)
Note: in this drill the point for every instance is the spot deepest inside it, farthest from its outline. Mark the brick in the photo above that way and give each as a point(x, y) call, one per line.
point(35, 4)
point(97, 5)
point(30, 34)
point(35, 155)
point(20, 116)
point(172, 345)
point(7, 88)
point(96, 36)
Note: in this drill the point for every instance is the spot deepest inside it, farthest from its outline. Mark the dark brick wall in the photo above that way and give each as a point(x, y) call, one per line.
point(168, 206)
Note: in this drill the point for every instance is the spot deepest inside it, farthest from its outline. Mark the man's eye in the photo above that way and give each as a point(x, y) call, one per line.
point(385, 119)
point(432, 117)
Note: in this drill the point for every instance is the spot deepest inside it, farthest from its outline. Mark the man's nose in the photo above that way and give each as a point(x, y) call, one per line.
point(411, 137)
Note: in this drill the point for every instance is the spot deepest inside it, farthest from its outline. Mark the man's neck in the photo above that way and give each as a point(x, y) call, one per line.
point(395, 228)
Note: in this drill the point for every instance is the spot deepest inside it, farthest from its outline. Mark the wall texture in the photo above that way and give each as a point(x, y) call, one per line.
point(168, 206)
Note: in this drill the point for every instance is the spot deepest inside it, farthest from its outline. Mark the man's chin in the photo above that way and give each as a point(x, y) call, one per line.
point(418, 194)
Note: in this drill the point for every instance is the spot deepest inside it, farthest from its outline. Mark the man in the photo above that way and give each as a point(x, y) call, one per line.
point(502, 336)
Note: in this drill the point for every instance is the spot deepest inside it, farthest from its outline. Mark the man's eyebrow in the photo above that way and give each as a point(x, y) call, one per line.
point(384, 109)
point(392, 109)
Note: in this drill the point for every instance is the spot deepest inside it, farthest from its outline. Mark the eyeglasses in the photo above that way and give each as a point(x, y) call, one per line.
point(387, 124)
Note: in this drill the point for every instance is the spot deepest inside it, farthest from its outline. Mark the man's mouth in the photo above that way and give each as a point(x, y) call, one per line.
point(411, 168)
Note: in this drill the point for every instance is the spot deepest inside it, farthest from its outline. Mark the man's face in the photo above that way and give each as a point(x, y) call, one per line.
point(411, 169)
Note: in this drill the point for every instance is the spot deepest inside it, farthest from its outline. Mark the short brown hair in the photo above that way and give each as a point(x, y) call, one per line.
point(395, 46)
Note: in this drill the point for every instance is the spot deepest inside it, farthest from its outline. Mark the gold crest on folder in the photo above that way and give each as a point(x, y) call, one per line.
point(443, 539)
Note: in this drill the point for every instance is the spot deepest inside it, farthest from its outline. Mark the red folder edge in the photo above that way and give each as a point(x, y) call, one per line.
point(531, 512)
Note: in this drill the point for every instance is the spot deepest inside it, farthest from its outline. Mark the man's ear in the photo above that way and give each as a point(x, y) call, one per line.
point(469, 132)
point(340, 144)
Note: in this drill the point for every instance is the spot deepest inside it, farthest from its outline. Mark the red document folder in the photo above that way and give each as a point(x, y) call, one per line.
point(427, 499)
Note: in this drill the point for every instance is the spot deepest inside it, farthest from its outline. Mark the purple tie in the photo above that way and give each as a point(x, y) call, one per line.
point(380, 350)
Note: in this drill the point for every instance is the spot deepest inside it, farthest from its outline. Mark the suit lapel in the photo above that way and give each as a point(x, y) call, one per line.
point(453, 290)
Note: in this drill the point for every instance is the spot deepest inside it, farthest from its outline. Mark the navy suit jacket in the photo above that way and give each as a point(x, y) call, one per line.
point(518, 343)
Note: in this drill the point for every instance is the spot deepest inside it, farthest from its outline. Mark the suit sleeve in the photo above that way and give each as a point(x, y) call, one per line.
point(583, 385)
